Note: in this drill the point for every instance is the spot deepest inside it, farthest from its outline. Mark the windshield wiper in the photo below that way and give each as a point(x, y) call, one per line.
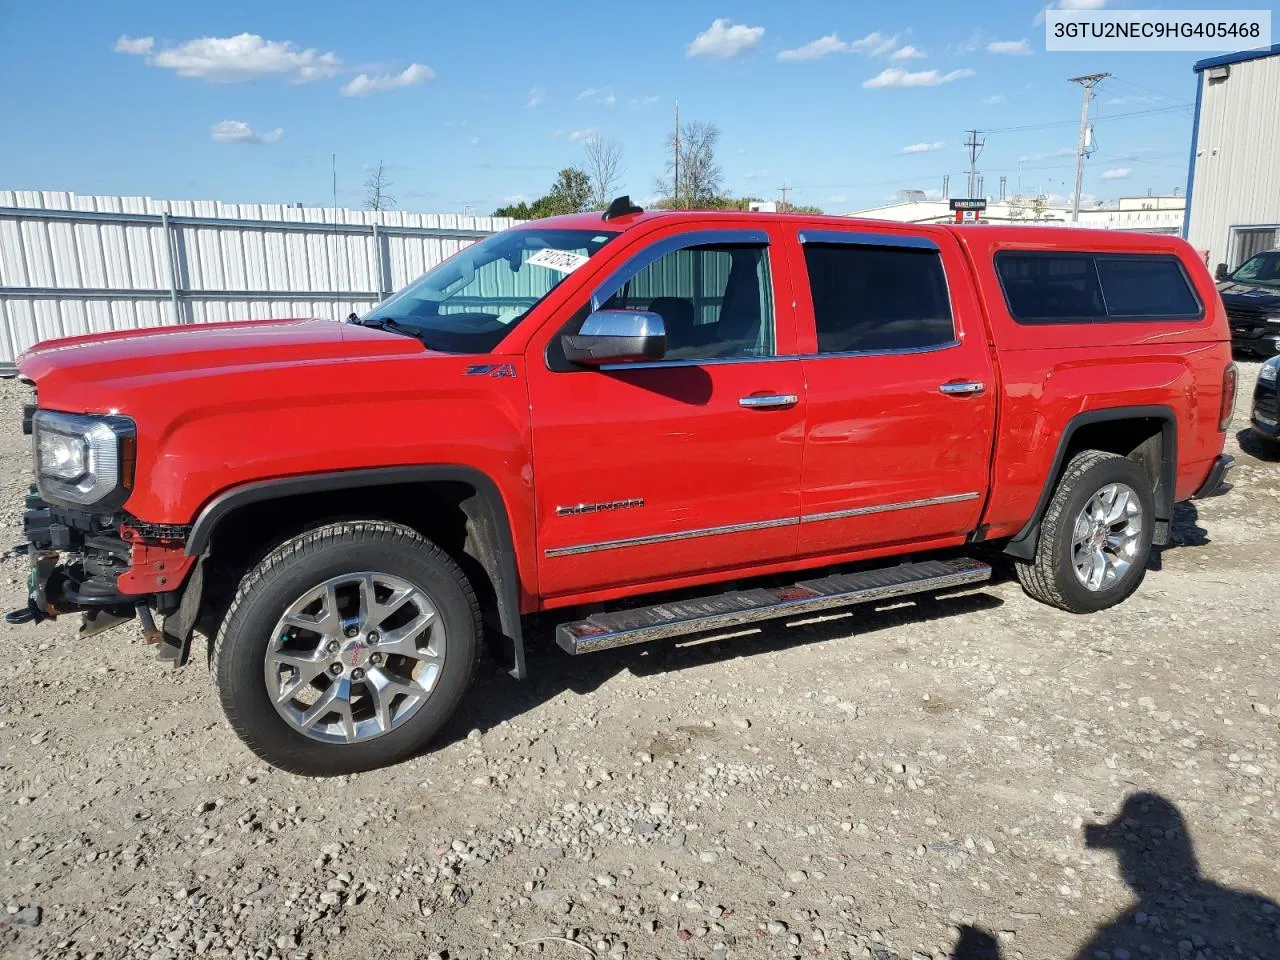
point(390, 323)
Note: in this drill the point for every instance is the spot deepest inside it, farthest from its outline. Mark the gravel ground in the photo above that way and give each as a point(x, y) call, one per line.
point(917, 781)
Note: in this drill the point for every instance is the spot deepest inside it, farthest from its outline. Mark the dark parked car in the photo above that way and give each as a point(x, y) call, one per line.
point(1252, 298)
point(1265, 416)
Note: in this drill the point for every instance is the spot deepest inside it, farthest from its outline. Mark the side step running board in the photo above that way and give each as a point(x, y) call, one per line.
point(601, 631)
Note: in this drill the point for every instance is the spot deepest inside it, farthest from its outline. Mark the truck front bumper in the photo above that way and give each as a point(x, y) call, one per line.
point(106, 568)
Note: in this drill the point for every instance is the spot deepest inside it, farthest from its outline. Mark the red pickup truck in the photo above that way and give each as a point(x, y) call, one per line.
point(639, 424)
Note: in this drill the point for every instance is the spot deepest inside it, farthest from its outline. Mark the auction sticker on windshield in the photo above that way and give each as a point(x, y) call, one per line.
point(562, 261)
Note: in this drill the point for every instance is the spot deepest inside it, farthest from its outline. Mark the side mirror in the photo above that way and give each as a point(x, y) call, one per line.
point(1222, 273)
point(616, 336)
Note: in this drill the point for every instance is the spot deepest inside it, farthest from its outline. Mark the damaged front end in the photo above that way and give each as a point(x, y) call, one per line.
point(109, 569)
point(85, 554)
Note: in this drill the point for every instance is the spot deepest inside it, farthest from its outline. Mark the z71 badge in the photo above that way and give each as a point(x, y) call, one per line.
point(501, 371)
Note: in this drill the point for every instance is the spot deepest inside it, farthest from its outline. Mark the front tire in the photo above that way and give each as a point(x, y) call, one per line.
point(1095, 537)
point(346, 648)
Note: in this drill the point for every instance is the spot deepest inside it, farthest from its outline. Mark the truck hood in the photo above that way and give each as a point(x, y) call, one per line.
point(1252, 294)
point(128, 359)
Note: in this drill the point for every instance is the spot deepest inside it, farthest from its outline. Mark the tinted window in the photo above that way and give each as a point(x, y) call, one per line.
point(1146, 287)
point(1049, 288)
point(868, 298)
point(1088, 288)
point(714, 301)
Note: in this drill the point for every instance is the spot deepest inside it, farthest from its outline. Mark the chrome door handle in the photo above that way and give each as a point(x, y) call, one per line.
point(963, 388)
point(772, 401)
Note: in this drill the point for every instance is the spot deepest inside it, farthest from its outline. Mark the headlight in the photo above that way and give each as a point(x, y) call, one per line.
point(1268, 372)
point(84, 460)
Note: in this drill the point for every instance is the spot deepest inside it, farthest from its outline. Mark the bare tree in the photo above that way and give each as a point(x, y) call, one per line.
point(604, 162)
point(376, 189)
point(701, 179)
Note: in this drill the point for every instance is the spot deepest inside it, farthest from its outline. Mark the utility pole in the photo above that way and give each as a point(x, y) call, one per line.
point(783, 190)
point(1088, 82)
point(975, 148)
point(675, 176)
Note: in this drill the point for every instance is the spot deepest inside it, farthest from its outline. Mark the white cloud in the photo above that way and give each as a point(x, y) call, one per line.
point(245, 56)
point(135, 45)
point(755, 174)
point(838, 198)
point(994, 98)
point(237, 131)
point(537, 97)
point(1017, 48)
point(1069, 5)
point(513, 200)
point(602, 95)
point(816, 49)
point(475, 141)
point(724, 39)
point(411, 76)
point(583, 136)
point(924, 147)
point(644, 101)
point(897, 77)
point(908, 53)
point(970, 44)
point(875, 44)
point(1116, 173)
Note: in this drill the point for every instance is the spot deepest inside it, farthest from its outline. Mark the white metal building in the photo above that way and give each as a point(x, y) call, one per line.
point(1151, 214)
point(1233, 183)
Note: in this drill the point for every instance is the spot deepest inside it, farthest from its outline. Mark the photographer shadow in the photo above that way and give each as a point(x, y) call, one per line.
point(1177, 911)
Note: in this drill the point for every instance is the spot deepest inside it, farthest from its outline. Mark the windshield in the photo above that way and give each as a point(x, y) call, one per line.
point(1264, 269)
point(471, 301)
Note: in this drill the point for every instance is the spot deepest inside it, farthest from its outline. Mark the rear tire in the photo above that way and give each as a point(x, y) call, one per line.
point(1084, 563)
point(394, 643)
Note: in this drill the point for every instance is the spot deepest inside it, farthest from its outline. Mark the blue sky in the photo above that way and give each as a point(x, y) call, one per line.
point(476, 103)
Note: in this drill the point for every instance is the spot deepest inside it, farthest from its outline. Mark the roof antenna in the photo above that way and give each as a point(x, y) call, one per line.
point(622, 207)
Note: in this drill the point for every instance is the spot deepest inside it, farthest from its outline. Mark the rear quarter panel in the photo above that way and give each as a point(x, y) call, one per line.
point(1051, 373)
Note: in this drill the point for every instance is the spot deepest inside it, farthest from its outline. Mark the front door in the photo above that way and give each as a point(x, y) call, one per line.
point(901, 388)
point(657, 471)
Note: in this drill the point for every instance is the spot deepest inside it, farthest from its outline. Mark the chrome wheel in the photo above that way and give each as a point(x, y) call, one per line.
point(1107, 536)
point(355, 657)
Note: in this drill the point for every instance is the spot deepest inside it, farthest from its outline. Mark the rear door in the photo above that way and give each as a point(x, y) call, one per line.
point(646, 473)
point(901, 391)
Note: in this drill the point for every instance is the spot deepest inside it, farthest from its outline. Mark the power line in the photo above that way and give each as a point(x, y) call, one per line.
point(1114, 116)
point(1130, 83)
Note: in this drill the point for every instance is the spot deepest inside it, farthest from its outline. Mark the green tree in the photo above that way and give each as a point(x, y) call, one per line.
point(519, 211)
point(571, 193)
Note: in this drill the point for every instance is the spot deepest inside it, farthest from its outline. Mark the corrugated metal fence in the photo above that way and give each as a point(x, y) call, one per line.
point(72, 264)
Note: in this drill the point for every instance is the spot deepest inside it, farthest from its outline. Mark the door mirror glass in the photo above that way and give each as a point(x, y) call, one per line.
point(616, 336)
point(1222, 273)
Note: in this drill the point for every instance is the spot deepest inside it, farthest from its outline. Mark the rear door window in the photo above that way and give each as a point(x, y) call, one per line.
point(1095, 288)
point(877, 298)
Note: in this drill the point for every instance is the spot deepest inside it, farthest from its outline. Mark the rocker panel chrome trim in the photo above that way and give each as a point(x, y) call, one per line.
point(889, 507)
point(653, 538)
